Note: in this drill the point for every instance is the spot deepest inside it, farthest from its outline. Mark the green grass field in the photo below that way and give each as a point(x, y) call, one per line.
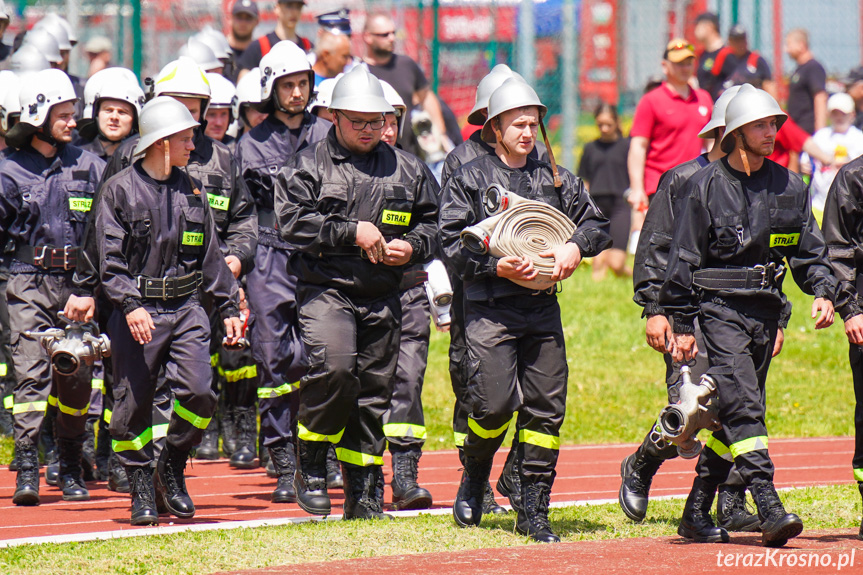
point(616, 389)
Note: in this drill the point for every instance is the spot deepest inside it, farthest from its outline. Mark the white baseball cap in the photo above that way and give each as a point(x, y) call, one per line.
point(842, 102)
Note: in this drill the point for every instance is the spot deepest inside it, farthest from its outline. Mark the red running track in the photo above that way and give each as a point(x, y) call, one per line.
point(224, 496)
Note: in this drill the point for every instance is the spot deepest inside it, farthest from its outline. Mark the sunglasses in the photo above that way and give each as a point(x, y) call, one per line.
point(680, 46)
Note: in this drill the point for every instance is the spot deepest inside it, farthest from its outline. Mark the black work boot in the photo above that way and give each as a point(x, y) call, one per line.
point(407, 494)
point(171, 482)
point(364, 492)
point(468, 506)
point(860, 533)
point(334, 470)
point(532, 518)
point(509, 483)
point(52, 467)
point(229, 430)
point(103, 452)
point(208, 450)
point(27, 482)
point(777, 526)
point(636, 473)
point(731, 512)
point(88, 452)
point(71, 480)
point(13, 465)
point(490, 506)
point(696, 523)
point(118, 479)
point(244, 457)
point(310, 480)
point(143, 495)
point(285, 463)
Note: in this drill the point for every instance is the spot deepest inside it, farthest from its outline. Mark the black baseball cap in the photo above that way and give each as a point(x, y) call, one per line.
point(708, 17)
point(245, 7)
point(338, 22)
point(854, 76)
point(737, 31)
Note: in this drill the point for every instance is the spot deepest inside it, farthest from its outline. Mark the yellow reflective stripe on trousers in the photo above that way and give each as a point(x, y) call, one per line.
point(235, 375)
point(27, 407)
point(54, 402)
point(405, 430)
point(160, 431)
point(718, 448)
point(97, 383)
point(9, 402)
point(214, 360)
point(306, 435)
point(459, 438)
point(4, 370)
point(106, 415)
point(196, 420)
point(273, 392)
point(539, 439)
point(858, 474)
point(357, 458)
point(486, 433)
point(136, 444)
point(747, 445)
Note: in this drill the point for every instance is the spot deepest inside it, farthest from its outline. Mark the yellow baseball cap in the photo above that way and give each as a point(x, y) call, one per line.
point(679, 50)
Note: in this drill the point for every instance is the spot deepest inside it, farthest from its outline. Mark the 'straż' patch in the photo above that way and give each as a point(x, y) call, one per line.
point(782, 240)
point(193, 239)
point(218, 202)
point(80, 204)
point(396, 218)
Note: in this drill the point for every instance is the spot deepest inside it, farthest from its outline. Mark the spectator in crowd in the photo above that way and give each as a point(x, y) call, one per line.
point(807, 92)
point(338, 22)
point(666, 124)
point(749, 66)
point(717, 62)
point(603, 169)
point(288, 16)
point(98, 50)
point(842, 140)
point(332, 55)
point(402, 73)
point(791, 140)
point(854, 87)
point(243, 20)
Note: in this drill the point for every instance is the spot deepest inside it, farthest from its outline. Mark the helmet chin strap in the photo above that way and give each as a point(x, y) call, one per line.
point(45, 135)
point(744, 147)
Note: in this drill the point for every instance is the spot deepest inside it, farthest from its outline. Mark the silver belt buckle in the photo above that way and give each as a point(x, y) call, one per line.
point(39, 261)
point(769, 273)
point(66, 257)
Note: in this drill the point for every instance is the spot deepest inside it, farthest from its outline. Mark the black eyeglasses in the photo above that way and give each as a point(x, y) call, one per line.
point(360, 125)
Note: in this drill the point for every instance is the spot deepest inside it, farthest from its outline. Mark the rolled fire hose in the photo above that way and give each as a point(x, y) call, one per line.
point(523, 228)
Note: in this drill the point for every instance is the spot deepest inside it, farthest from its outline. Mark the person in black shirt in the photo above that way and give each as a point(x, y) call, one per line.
point(244, 18)
point(716, 63)
point(854, 87)
point(807, 92)
point(288, 14)
point(603, 169)
point(749, 66)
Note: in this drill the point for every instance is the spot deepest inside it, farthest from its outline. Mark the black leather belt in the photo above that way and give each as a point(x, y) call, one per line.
point(754, 278)
point(354, 251)
point(49, 257)
point(170, 288)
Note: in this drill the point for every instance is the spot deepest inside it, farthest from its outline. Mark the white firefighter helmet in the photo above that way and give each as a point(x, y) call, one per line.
point(70, 33)
point(46, 43)
point(28, 59)
point(9, 103)
point(360, 91)
point(41, 92)
point(115, 84)
point(248, 91)
point(750, 104)
point(324, 94)
point(201, 53)
point(511, 95)
point(161, 118)
point(396, 101)
point(185, 79)
point(717, 119)
point(216, 41)
point(490, 82)
point(223, 93)
point(52, 25)
point(284, 59)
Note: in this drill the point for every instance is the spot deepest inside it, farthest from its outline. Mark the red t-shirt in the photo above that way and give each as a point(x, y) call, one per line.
point(789, 137)
point(671, 125)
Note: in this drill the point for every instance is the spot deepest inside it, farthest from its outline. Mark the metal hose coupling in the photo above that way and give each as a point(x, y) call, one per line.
point(523, 228)
point(680, 422)
point(439, 292)
point(76, 344)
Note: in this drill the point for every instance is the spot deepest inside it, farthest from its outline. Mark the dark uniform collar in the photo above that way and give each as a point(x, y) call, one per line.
point(339, 152)
point(173, 180)
point(528, 166)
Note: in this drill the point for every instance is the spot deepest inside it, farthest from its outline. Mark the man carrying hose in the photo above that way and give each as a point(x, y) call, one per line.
point(513, 333)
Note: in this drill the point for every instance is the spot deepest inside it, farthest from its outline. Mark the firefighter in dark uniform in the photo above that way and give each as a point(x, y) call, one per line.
point(404, 421)
point(355, 212)
point(516, 358)
point(287, 87)
point(214, 166)
point(158, 251)
point(651, 261)
point(470, 149)
point(46, 191)
point(740, 218)
point(842, 232)
point(112, 104)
